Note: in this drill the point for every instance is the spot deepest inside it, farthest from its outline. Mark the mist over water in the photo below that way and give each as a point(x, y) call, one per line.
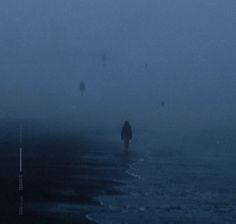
point(177, 52)
point(71, 73)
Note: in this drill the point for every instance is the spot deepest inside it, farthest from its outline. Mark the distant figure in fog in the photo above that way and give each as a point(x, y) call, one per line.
point(126, 134)
point(146, 66)
point(82, 88)
point(104, 60)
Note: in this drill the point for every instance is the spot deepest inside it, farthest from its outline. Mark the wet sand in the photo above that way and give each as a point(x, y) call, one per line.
point(63, 174)
point(71, 177)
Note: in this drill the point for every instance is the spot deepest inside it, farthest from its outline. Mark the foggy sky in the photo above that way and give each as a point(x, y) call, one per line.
point(47, 47)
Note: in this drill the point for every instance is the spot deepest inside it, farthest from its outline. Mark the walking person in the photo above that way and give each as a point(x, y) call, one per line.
point(126, 135)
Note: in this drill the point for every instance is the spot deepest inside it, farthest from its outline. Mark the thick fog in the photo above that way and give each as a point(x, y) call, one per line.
point(158, 63)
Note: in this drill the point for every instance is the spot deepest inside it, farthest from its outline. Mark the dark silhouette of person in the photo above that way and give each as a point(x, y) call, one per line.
point(104, 60)
point(82, 88)
point(126, 134)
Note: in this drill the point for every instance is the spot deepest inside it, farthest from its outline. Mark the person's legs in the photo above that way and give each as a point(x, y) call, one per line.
point(126, 144)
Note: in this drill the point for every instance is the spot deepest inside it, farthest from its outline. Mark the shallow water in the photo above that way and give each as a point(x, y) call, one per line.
point(175, 182)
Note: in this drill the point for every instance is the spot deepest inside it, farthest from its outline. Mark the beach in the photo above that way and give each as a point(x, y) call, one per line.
point(62, 173)
point(75, 177)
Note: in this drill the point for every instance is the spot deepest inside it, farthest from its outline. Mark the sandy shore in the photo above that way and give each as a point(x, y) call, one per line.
point(63, 174)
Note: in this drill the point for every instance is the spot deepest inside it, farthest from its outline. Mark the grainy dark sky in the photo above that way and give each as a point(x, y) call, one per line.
point(188, 47)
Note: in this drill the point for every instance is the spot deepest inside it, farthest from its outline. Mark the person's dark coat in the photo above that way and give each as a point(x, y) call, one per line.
point(126, 132)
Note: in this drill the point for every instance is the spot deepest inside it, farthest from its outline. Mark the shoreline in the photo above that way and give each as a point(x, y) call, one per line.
point(59, 170)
